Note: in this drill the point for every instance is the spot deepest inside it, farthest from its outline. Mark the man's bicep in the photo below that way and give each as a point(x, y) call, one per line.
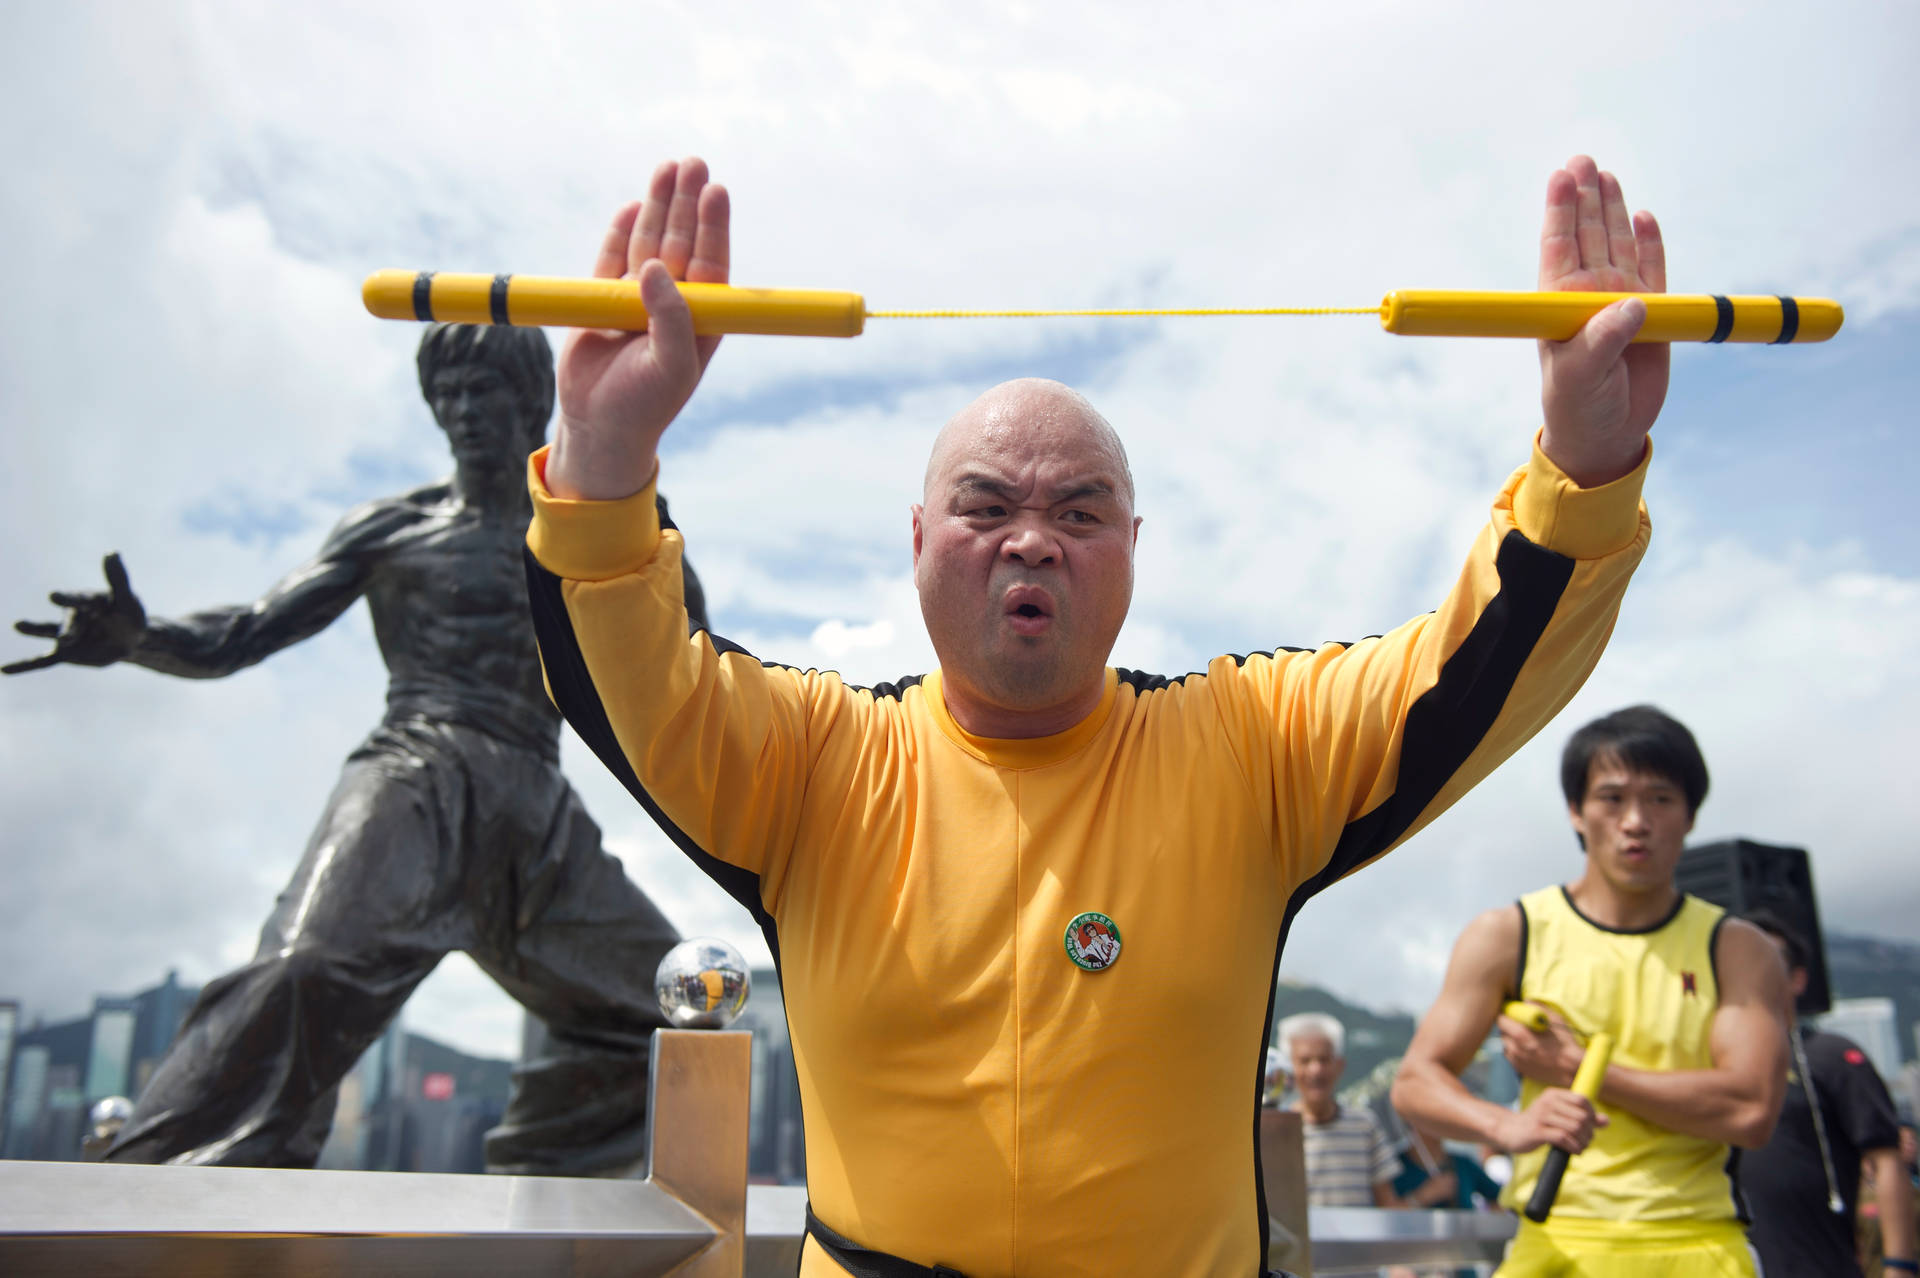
point(1479, 980)
point(1749, 1029)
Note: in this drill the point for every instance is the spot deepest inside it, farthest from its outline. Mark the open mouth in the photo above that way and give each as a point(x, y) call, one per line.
point(1029, 610)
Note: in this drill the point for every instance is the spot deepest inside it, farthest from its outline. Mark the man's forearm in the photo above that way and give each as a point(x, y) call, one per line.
point(1893, 1193)
point(1431, 1094)
point(1713, 1104)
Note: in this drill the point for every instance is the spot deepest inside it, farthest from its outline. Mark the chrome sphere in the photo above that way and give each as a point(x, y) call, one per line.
point(1276, 1080)
point(109, 1115)
point(702, 984)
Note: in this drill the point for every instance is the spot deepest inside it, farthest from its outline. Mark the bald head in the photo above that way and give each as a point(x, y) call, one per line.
point(1023, 556)
point(1014, 411)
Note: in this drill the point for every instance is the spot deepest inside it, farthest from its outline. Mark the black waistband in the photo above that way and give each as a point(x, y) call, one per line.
point(863, 1262)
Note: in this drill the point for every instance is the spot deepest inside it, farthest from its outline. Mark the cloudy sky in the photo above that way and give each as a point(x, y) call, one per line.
point(193, 193)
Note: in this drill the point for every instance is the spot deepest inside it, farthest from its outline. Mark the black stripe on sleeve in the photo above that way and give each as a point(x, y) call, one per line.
point(577, 698)
point(1789, 322)
point(579, 701)
point(423, 295)
point(1259, 1090)
point(1520, 968)
point(1443, 727)
point(1725, 326)
point(1448, 721)
point(497, 299)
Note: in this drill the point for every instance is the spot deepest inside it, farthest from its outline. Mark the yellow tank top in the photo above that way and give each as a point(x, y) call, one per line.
point(1655, 991)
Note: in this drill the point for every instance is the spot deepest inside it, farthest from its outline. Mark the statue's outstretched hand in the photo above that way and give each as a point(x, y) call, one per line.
point(102, 627)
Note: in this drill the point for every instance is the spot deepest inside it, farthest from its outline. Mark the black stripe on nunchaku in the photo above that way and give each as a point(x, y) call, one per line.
point(497, 299)
point(1725, 326)
point(423, 296)
point(1789, 322)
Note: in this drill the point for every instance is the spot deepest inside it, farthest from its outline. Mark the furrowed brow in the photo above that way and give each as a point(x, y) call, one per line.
point(1083, 490)
point(974, 485)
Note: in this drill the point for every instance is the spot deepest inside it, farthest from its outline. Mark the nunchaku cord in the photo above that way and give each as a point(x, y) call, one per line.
point(1131, 312)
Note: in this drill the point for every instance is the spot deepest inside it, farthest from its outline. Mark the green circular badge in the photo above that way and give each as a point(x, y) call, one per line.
point(1093, 941)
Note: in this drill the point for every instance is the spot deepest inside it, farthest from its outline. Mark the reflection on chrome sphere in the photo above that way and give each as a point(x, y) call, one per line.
point(108, 1116)
point(702, 984)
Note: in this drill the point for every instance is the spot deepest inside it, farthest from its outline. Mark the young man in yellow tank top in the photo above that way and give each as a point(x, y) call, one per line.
point(1695, 1002)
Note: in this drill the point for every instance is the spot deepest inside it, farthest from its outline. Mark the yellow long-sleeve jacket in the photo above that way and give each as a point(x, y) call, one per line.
point(973, 1096)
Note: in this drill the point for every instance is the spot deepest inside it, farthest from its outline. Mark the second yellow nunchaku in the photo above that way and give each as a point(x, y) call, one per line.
point(1586, 1083)
point(724, 308)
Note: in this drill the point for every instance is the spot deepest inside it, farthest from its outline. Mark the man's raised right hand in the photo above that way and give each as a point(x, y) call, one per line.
point(620, 391)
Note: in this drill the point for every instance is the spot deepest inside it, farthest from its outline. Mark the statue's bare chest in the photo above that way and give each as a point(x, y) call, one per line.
point(450, 583)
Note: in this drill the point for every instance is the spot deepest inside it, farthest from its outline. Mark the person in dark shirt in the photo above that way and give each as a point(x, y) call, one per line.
point(1804, 1184)
point(1431, 1175)
point(1434, 1177)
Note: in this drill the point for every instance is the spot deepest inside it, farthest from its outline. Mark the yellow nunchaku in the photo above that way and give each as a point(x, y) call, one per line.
point(1586, 1082)
point(535, 300)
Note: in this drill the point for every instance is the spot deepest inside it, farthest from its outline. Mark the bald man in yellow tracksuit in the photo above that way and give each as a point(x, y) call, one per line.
point(1028, 908)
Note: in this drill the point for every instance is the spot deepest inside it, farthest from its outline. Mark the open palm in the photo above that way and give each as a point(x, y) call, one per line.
point(1600, 394)
point(619, 391)
point(102, 627)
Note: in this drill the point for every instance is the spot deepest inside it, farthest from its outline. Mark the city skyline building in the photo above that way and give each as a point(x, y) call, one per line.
point(409, 1104)
point(1871, 1023)
point(54, 1073)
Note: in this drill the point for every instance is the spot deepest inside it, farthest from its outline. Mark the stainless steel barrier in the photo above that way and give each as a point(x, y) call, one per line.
point(693, 1217)
point(687, 1218)
point(101, 1219)
point(1348, 1240)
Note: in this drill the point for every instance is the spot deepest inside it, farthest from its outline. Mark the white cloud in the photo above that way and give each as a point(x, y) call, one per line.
point(836, 638)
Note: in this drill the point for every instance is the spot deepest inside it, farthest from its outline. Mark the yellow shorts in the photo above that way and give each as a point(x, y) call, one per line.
point(1605, 1249)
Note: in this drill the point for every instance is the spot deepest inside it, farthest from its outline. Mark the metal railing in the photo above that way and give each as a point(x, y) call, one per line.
point(693, 1217)
point(1348, 1240)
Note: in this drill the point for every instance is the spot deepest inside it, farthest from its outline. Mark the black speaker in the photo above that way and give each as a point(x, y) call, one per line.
point(1743, 875)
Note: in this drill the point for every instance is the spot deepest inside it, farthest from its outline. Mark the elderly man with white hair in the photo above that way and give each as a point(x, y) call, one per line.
point(1350, 1162)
